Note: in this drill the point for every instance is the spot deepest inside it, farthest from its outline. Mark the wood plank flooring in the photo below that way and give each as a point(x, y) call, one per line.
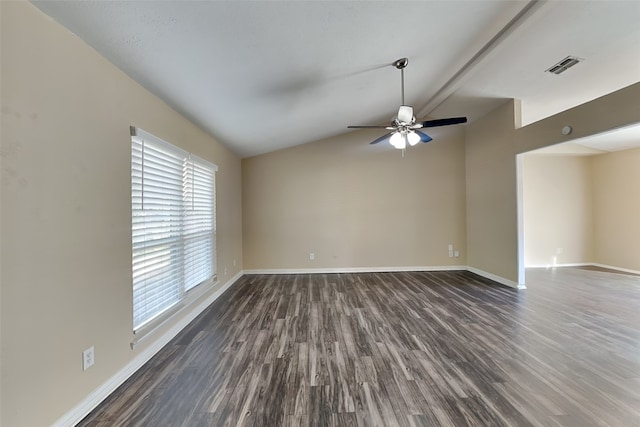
point(398, 349)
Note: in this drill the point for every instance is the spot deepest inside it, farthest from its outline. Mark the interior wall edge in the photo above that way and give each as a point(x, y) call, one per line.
point(496, 278)
point(491, 194)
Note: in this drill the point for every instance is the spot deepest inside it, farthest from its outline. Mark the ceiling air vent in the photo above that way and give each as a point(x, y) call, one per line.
point(563, 65)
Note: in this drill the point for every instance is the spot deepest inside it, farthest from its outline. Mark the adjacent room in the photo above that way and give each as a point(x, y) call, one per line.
point(372, 213)
point(592, 185)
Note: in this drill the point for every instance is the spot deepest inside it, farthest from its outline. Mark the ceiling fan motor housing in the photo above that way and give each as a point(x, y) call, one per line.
point(405, 115)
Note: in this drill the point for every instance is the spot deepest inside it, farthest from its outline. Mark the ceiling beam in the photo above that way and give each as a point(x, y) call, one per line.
point(458, 78)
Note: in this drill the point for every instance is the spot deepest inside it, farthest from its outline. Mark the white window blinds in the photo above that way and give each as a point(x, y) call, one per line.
point(173, 224)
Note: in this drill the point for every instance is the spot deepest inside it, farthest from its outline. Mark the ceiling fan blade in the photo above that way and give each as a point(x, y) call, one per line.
point(423, 136)
point(444, 122)
point(367, 127)
point(382, 138)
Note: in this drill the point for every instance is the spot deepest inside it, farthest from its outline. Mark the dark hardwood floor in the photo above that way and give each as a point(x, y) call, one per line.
point(398, 349)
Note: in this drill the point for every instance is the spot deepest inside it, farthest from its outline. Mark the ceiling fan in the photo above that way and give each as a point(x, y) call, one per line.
point(404, 128)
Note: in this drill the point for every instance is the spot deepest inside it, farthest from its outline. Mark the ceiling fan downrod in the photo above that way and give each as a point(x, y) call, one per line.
point(401, 64)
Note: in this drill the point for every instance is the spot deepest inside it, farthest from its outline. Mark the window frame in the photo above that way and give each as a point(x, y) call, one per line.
point(163, 236)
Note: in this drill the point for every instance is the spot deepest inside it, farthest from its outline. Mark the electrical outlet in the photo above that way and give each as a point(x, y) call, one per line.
point(225, 271)
point(88, 358)
point(234, 262)
point(312, 256)
point(456, 254)
point(450, 248)
point(559, 251)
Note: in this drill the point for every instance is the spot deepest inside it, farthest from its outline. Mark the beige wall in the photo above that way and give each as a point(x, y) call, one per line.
point(558, 210)
point(66, 236)
point(616, 180)
point(588, 206)
point(618, 109)
point(491, 145)
point(274, 241)
point(355, 205)
point(492, 237)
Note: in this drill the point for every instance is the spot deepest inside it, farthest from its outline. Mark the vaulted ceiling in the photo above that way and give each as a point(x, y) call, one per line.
point(261, 76)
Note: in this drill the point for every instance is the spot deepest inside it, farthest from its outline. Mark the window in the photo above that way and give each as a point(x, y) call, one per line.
point(173, 225)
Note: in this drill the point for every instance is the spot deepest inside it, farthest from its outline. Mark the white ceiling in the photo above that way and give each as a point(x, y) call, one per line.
point(260, 76)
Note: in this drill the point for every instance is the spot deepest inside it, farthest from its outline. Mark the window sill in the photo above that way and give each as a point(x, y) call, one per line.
point(180, 308)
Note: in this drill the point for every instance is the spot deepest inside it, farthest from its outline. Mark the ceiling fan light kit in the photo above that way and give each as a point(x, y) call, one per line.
point(399, 140)
point(404, 128)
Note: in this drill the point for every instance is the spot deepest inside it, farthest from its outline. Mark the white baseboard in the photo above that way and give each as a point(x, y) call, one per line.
point(586, 264)
point(569, 264)
point(495, 278)
point(477, 271)
point(82, 409)
point(330, 270)
point(613, 267)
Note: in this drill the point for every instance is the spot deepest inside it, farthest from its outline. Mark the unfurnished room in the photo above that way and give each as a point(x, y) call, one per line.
point(319, 213)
